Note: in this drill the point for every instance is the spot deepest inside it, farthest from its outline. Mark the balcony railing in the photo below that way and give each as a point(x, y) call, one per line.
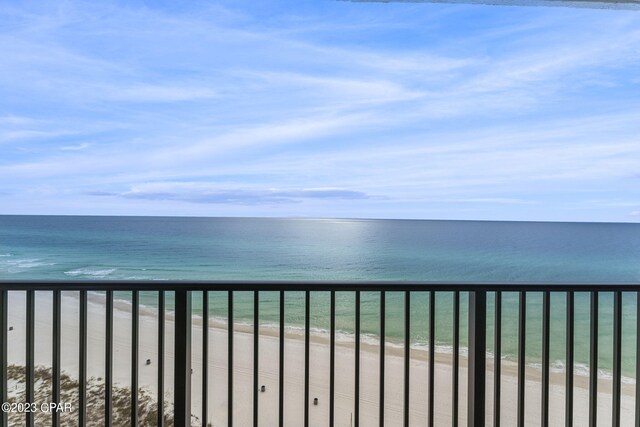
point(481, 371)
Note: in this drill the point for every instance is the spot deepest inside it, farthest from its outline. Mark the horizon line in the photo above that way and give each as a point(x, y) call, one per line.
point(319, 218)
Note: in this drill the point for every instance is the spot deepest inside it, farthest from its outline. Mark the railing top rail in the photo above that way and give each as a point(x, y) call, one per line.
point(167, 285)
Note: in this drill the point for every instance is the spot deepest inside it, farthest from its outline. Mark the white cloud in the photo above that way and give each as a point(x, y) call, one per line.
point(78, 147)
point(23, 134)
point(505, 114)
point(341, 92)
point(160, 93)
point(198, 192)
point(270, 135)
point(12, 120)
point(494, 200)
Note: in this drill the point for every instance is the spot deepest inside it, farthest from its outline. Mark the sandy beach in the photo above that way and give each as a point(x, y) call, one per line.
point(294, 371)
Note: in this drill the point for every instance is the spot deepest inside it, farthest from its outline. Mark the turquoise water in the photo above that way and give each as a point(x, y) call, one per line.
point(156, 248)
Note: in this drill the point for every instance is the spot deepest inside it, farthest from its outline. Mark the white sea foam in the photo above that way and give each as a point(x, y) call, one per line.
point(137, 278)
point(14, 266)
point(556, 366)
point(96, 272)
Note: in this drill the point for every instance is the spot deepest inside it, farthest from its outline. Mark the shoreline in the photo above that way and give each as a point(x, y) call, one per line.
point(294, 369)
point(557, 365)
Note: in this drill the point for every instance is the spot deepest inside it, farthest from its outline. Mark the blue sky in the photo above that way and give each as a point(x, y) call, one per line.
point(320, 109)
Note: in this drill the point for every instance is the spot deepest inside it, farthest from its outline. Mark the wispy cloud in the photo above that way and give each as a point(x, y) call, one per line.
point(494, 200)
point(351, 109)
point(147, 93)
point(12, 135)
point(199, 193)
point(78, 147)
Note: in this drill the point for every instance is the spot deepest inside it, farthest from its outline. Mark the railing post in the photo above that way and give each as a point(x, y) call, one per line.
point(182, 368)
point(4, 306)
point(477, 358)
point(82, 359)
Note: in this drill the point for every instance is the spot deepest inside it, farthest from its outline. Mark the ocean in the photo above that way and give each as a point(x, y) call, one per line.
point(169, 248)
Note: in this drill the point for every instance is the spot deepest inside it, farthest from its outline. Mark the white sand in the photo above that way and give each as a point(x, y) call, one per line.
point(294, 371)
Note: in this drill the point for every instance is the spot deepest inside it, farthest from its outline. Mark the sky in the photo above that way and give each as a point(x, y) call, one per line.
point(319, 109)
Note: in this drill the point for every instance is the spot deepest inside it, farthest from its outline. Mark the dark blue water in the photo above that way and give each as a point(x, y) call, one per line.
point(156, 248)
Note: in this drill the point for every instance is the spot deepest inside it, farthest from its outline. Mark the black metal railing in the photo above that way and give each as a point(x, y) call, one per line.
point(477, 372)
